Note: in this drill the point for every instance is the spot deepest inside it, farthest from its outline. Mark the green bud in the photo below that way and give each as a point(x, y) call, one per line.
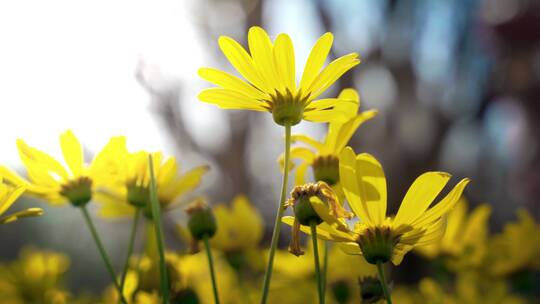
point(78, 191)
point(371, 290)
point(201, 220)
point(304, 212)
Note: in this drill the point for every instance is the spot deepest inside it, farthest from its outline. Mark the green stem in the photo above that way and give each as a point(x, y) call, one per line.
point(156, 216)
point(211, 265)
point(102, 251)
point(325, 267)
point(313, 226)
point(279, 215)
point(130, 246)
point(383, 283)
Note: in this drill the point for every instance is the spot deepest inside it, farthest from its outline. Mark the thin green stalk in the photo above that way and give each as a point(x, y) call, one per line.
point(325, 267)
point(156, 216)
point(383, 283)
point(279, 215)
point(102, 251)
point(313, 226)
point(211, 265)
point(130, 246)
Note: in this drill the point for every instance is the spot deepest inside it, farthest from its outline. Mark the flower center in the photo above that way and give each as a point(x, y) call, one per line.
point(377, 244)
point(78, 191)
point(137, 196)
point(287, 108)
point(326, 168)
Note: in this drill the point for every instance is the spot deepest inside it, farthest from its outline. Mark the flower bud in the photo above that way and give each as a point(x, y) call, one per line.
point(201, 220)
point(371, 290)
point(326, 168)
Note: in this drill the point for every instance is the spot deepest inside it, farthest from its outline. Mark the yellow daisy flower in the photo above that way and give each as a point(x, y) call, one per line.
point(323, 157)
point(375, 236)
point(269, 70)
point(129, 186)
point(51, 180)
point(465, 237)
point(8, 195)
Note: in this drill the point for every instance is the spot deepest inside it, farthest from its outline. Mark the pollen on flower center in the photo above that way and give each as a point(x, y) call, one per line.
point(377, 244)
point(78, 191)
point(287, 108)
point(326, 168)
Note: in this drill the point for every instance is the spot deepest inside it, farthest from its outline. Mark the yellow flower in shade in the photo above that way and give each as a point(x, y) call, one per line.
point(51, 180)
point(189, 281)
point(465, 238)
point(240, 227)
point(377, 237)
point(323, 157)
point(35, 277)
point(516, 248)
point(342, 279)
point(269, 71)
point(129, 184)
point(8, 195)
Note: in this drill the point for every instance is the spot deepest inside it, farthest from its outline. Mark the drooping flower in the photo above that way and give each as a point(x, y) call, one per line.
point(51, 180)
point(270, 79)
point(375, 236)
point(8, 195)
point(323, 157)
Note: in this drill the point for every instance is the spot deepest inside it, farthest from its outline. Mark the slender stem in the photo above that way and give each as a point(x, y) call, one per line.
point(383, 283)
point(279, 215)
point(211, 265)
point(102, 251)
point(325, 267)
point(313, 226)
point(156, 216)
point(130, 246)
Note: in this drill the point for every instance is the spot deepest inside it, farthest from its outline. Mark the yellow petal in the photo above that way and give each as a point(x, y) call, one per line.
point(328, 103)
point(284, 58)
point(232, 100)
point(444, 206)
point(316, 59)
point(187, 182)
point(230, 82)
point(325, 115)
point(37, 160)
point(307, 140)
point(351, 248)
point(241, 61)
point(300, 174)
point(420, 195)
point(30, 212)
point(9, 196)
point(350, 184)
point(324, 213)
point(302, 153)
point(372, 186)
point(250, 222)
point(347, 130)
point(261, 49)
point(73, 152)
point(332, 73)
point(324, 231)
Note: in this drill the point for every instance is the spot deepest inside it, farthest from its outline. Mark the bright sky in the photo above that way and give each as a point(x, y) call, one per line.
point(71, 64)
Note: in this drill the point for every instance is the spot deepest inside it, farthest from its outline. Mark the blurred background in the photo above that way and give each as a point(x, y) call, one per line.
point(456, 83)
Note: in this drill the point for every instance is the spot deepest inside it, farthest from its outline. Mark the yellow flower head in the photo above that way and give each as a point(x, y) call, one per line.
point(35, 277)
point(516, 248)
point(271, 79)
point(51, 180)
point(323, 157)
point(129, 182)
point(8, 195)
point(465, 237)
point(377, 237)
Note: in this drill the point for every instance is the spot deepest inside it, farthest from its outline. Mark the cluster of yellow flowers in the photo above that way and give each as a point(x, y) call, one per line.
point(343, 210)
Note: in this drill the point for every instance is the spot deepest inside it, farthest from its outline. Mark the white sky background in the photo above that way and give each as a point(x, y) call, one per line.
point(71, 64)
